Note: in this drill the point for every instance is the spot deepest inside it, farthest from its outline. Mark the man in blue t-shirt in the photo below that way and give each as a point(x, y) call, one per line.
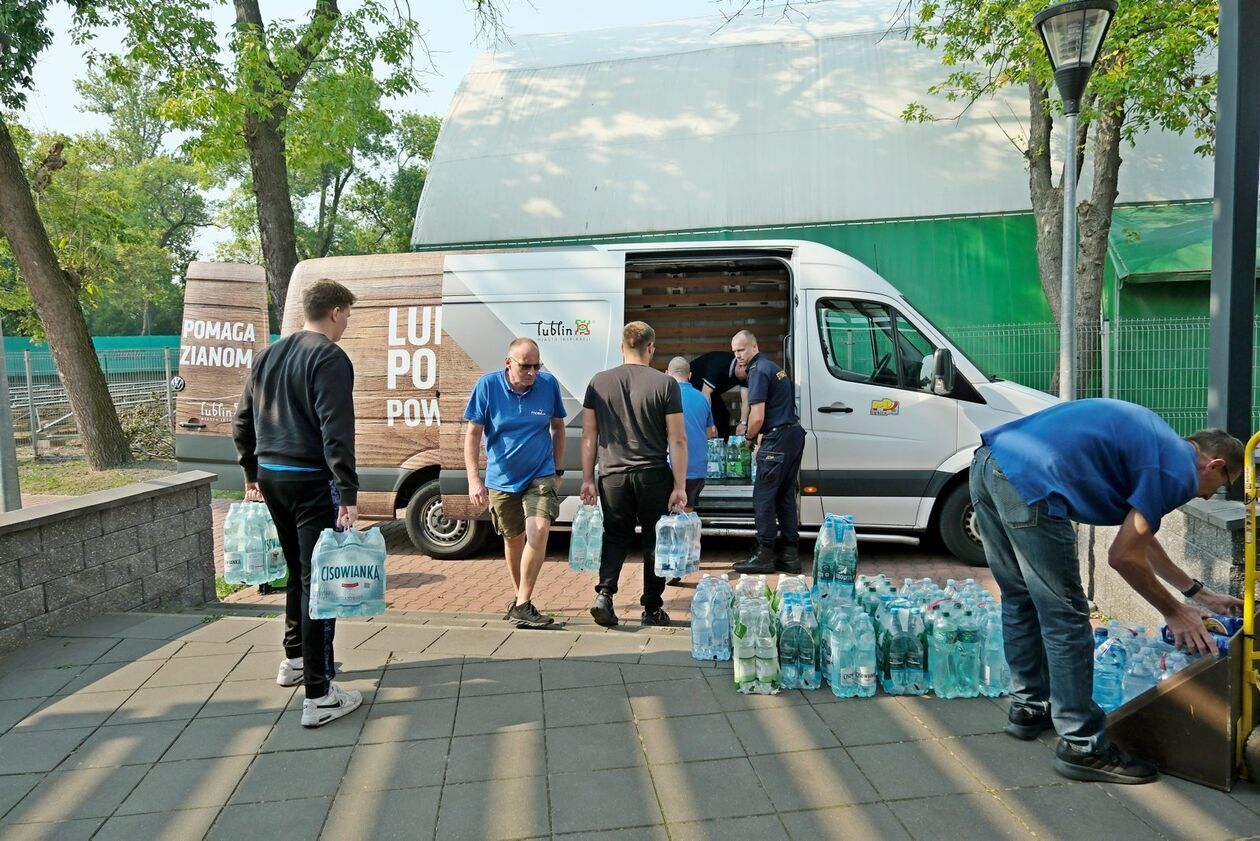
point(698, 421)
point(1104, 463)
point(521, 415)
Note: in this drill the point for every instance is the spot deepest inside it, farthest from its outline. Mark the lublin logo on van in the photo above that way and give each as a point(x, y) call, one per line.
point(885, 406)
point(560, 330)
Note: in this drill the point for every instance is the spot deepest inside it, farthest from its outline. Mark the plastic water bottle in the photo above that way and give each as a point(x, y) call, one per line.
point(789, 649)
point(595, 539)
point(720, 622)
point(1140, 676)
point(233, 545)
point(578, 539)
point(702, 604)
point(847, 558)
point(866, 660)
point(967, 654)
point(694, 528)
point(1109, 669)
point(995, 672)
point(670, 546)
point(767, 655)
point(944, 638)
point(842, 656)
point(744, 644)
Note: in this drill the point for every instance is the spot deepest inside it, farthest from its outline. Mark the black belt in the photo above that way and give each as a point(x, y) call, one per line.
point(780, 426)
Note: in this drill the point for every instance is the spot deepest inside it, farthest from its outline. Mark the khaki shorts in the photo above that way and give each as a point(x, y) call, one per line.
point(509, 510)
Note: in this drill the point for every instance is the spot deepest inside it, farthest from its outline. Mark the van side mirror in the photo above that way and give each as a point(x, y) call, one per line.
point(943, 372)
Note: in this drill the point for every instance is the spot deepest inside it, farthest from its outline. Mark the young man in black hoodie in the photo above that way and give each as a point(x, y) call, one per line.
point(294, 433)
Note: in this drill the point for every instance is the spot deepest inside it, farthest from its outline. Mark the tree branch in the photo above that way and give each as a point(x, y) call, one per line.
point(312, 42)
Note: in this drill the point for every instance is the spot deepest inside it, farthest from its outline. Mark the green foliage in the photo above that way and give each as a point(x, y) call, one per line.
point(1155, 62)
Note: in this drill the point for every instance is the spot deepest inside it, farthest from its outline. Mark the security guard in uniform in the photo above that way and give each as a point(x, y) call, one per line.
point(772, 415)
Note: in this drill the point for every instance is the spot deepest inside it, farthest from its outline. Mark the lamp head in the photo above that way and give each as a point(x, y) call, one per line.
point(1072, 34)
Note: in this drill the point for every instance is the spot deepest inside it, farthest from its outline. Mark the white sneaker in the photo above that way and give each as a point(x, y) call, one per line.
point(289, 674)
point(338, 702)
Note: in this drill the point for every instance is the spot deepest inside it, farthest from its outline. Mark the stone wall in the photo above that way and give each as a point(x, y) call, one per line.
point(1203, 537)
point(144, 546)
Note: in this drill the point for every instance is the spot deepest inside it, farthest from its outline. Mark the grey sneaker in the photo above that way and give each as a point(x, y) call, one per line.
point(338, 702)
point(527, 616)
point(508, 613)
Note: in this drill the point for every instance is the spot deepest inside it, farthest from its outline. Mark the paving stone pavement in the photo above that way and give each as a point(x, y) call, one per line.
point(480, 584)
point(170, 726)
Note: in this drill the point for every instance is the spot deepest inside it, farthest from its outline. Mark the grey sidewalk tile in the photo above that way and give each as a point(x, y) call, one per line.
point(383, 815)
point(976, 817)
point(210, 649)
point(723, 688)
point(494, 713)
point(588, 705)
point(257, 665)
point(14, 787)
point(1247, 794)
point(29, 751)
point(293, 775)
point(206, 738)
point(816, 779)
point(354, 660)
point(602, 800)
point(396, 765)
point(62, 712)
point(645, 672)
point(269, 633)
point(782, 730)
point(608, 646)
point(494, 756)
point(182, 671)
point(956, 716)
point(71, 795)
point(57, 653)
point(189, 784)
point(638, 833)
point(536, 644)
point(408, 720)
point(289, 734)
point(913, 769)
point(419, 684)
point(761, 828)
point(161, 627)
point(133, 650)
point(1060, 812)
point(243, 697)
point(500, 678)
point(470, 642)
point(1179, 809)
point(593, 747)
point(11, 712)
point(689, 739)
point(571, 674)
point(111, 677)
point(871, 721)
point(59, 831)
point(105, 625)
point(223, 630)
point(661, 699)
point(294, 820)
point(127, 744)
point(163, 703)
point(1002, 762)
point(668, 651)
point(35, 683)
point(498, 809)
point(353, 633)
point(695, 791)
point(423, 659)
point(400, 638)
point(870, 821)
point(158, 826)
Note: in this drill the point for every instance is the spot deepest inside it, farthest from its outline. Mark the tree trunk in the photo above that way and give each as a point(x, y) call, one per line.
point(270, 170)
point(1095, 221)
point(56, 298)
point(1047, 203)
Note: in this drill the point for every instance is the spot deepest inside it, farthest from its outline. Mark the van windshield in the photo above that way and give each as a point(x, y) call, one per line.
point(958, 350)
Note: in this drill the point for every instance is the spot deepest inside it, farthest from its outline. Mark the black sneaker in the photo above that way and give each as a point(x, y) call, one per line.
point(602, 611)
point(673, 582)
point(1028, 724)
point(508, 613)
point(656, 617)
point(1109, 765)
point(527, 616)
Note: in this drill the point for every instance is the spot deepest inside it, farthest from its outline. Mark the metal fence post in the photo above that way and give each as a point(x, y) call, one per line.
point(30, 405)
point(170, 394)
point(1106, 357)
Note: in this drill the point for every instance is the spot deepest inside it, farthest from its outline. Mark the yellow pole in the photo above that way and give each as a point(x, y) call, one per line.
point(1251, 675)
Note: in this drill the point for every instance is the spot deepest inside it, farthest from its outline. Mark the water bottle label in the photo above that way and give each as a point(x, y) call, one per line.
point(988, 673)
point(866, 677)
point(849, 675)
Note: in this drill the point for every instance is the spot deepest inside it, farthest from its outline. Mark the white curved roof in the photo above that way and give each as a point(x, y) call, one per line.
point(674, 127)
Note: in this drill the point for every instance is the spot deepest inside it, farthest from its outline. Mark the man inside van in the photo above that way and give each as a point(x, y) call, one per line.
point(772, 416)
point(1104, 463)
point(632, 421)
point(520, 412)
point(294, 434)
point(698, 421)
point(715, 373)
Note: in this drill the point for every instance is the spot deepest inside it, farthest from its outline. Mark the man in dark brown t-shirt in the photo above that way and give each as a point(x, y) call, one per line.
point(632, 418)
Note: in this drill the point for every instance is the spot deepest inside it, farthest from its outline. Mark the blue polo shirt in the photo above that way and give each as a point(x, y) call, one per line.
point(769, 384)
point(1094, 461)
point(517, 428)
point(697, 418)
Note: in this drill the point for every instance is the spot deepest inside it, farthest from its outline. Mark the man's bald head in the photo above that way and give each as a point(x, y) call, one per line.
point(680, 369)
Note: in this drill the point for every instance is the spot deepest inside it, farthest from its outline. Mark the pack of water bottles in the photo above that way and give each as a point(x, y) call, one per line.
point(348, 574)
point(1128, 661)
point(251, 545)
point(835, 561)
point(586, 542)
point(754, 646)
point(711, 619)
point(715, 459)
point(677, 545)
point(799, 634)
point(738, 458)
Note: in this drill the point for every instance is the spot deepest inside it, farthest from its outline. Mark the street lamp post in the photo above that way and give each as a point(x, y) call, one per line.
point(1072, 34)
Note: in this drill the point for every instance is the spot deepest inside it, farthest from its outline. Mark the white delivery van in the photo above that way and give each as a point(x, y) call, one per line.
point(892, 410)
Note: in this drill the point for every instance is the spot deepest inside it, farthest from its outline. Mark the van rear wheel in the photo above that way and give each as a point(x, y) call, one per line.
point(436, 535)
point(957, 526)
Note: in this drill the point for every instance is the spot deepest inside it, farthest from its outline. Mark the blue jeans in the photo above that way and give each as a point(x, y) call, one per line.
point(1045, 616)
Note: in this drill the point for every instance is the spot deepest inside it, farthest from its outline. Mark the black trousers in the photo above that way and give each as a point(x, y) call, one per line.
point(301, 509)
point(778, 476)
point(639, 497)
point(721, 414)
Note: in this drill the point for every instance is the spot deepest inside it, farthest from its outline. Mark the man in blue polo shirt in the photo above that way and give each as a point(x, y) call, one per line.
point(698, 421)
point(521, 415)
point(772, 416)
point(1103, 463)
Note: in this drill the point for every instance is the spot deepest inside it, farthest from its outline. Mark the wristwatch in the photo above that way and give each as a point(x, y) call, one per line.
point(1193, 589)
point(559, 472)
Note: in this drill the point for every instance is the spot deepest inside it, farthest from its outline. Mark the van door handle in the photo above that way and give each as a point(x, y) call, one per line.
point(836, 407)
point(192, 424)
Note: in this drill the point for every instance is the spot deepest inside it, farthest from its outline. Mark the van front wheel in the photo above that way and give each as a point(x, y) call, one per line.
point(957, 525)
point(436, 535)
